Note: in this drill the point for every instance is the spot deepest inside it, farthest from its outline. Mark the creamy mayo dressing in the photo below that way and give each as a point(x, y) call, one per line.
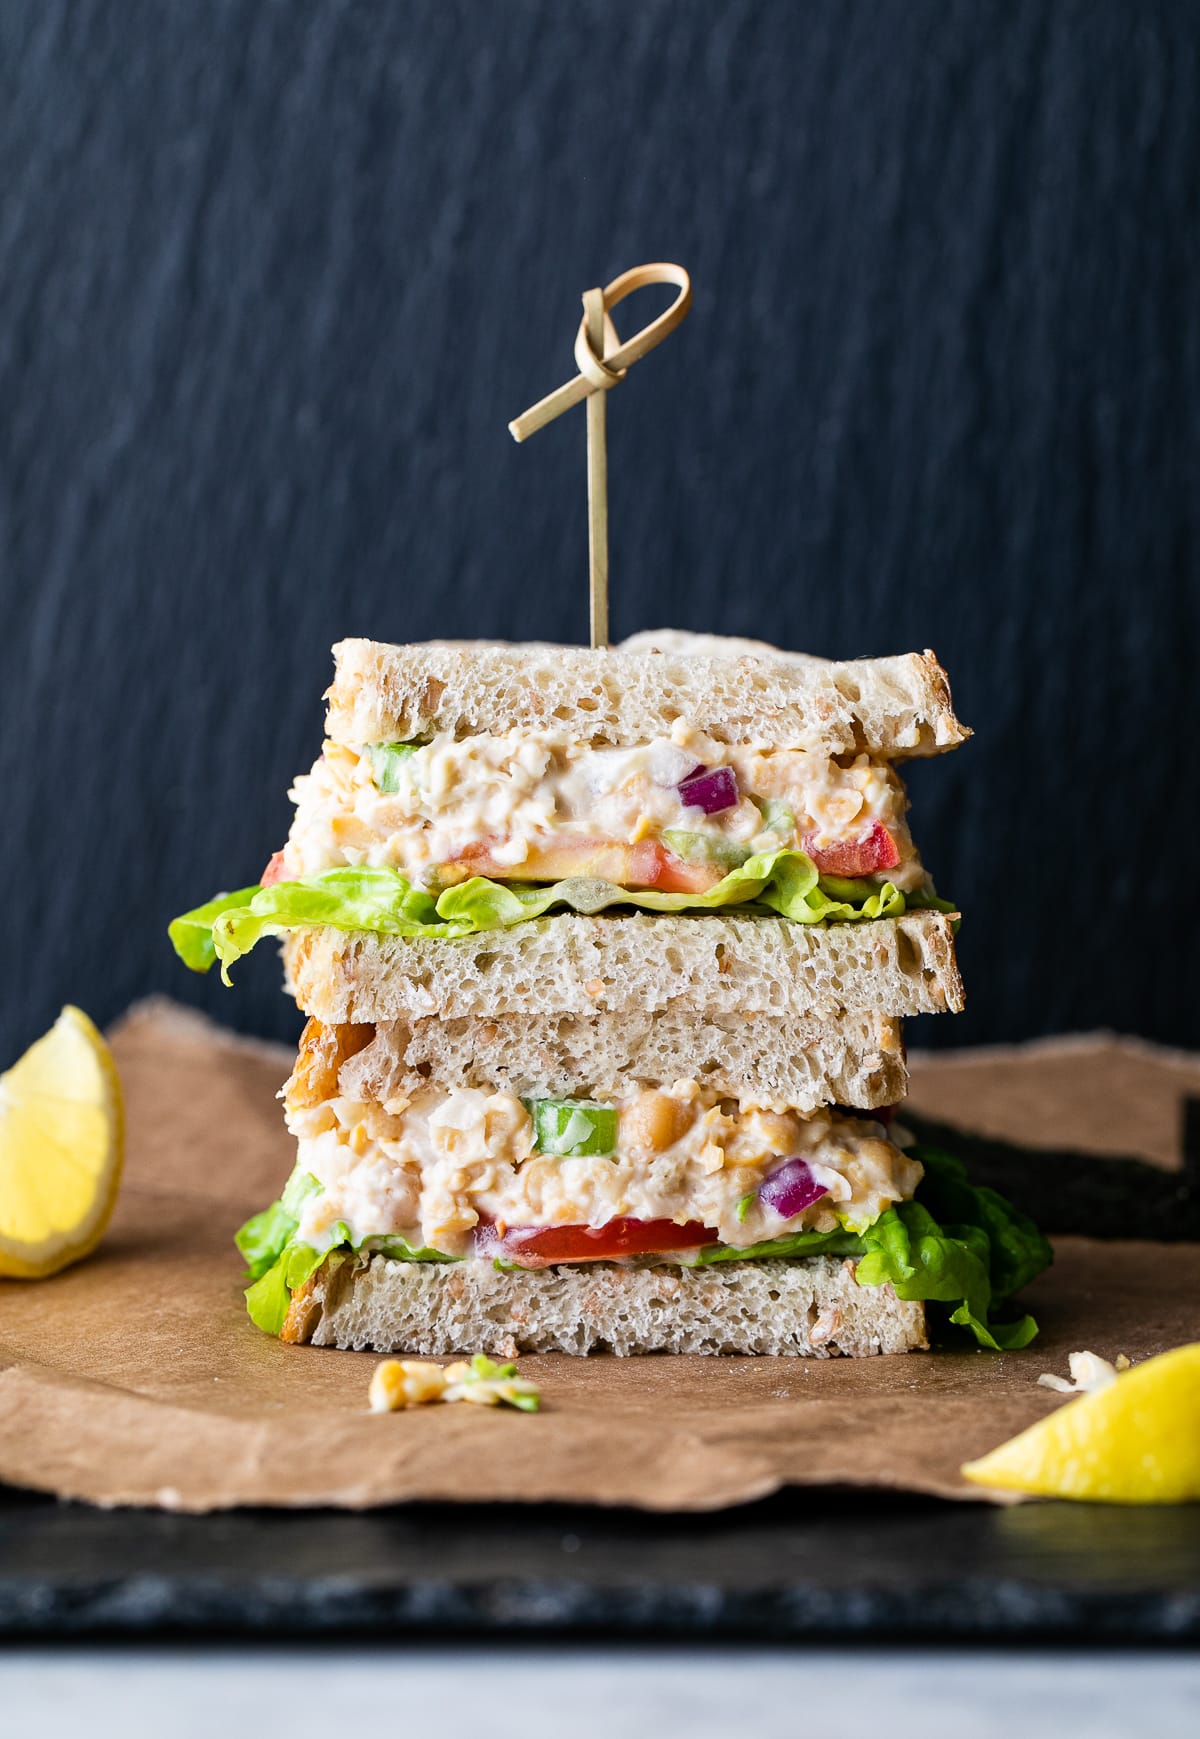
point(518, 789)
point(429, 1170)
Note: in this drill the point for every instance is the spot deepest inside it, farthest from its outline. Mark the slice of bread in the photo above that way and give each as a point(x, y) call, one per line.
point(811, 1308)
point(795, 1064)
point(888, 706)
point(699, 965)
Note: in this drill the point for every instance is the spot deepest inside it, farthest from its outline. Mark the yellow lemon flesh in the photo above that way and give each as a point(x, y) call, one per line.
point(1135, 1442)
point(61, 1149)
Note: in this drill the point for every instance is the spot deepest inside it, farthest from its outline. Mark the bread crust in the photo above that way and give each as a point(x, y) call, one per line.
point(890, 707)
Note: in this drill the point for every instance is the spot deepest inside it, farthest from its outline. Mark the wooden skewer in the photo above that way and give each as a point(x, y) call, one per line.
point(603, 362)
point(593, 325)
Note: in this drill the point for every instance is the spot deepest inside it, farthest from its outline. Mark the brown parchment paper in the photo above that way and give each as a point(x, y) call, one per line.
point(136, 1378)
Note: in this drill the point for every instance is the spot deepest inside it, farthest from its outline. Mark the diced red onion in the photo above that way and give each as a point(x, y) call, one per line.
point(791, 1189)
point(710, 788)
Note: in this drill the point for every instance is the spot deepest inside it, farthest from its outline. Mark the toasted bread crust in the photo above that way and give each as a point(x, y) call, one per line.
point(319, 1059)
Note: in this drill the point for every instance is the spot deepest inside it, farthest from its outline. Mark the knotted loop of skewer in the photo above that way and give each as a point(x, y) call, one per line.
point(606, 361)
point(603, 362)
point(593, 368)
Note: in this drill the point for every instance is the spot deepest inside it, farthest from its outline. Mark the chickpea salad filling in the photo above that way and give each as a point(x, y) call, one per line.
point(453, 836)
point(675, 814)
point(465, 1172)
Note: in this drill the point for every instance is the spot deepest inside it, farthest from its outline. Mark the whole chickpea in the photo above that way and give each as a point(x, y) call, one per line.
point(654, 1120)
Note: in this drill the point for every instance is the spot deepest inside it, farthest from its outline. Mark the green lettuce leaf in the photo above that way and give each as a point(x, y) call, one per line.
point(907, 1247)
point(276, 1263)
point(400, 1250)
point(385, 902)
point(264, 1237)
point(839, 1243)
point(269, 1299)
point(1017, 1251)
point(192, 934)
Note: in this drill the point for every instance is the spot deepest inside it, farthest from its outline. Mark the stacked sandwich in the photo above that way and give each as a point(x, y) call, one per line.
point(605, 956)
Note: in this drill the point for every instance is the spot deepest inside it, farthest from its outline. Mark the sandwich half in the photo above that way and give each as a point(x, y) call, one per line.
point(471, 1190)
point(464, 789)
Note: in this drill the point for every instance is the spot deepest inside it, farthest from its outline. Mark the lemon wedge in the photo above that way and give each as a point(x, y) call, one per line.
point(61, 1149)
point(1137, 1441)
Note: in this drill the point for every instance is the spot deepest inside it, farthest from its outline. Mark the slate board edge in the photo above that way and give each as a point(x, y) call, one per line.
point(884, 1569)
point(163, 1607)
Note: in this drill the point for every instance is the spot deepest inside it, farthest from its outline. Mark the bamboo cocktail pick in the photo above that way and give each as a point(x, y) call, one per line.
point(603, 361)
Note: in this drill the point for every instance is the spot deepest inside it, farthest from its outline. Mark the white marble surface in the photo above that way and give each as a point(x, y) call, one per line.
point(575, 1693)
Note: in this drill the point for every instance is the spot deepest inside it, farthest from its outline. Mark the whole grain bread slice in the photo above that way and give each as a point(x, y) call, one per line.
point(810, 1308)
point(784, 1064)
point(633, 963)
point(897, 706)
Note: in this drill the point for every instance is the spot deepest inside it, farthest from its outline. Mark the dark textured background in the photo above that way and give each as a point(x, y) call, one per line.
point(274, 275)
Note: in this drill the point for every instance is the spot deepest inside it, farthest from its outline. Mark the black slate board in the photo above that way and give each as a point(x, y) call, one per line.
point(801, 1567)
point(1066, 1191)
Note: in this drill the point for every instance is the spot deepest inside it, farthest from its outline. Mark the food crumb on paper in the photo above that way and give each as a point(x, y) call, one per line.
point(1089, 1374)
point(398, 1383)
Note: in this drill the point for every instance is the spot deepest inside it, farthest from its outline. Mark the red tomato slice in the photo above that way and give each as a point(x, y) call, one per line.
point(875, 851)
point(652, 865)
point(542, 1246)
point(274, 871)
point(648, 864)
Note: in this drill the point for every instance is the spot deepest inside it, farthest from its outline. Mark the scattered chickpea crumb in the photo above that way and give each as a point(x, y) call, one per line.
point(398, 1383)
point(1089, 1374)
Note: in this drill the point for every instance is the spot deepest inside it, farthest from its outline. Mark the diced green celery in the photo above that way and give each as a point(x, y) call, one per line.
point(705, 848)
point(574, 1128)
point(777, 816)
point(387, 760)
